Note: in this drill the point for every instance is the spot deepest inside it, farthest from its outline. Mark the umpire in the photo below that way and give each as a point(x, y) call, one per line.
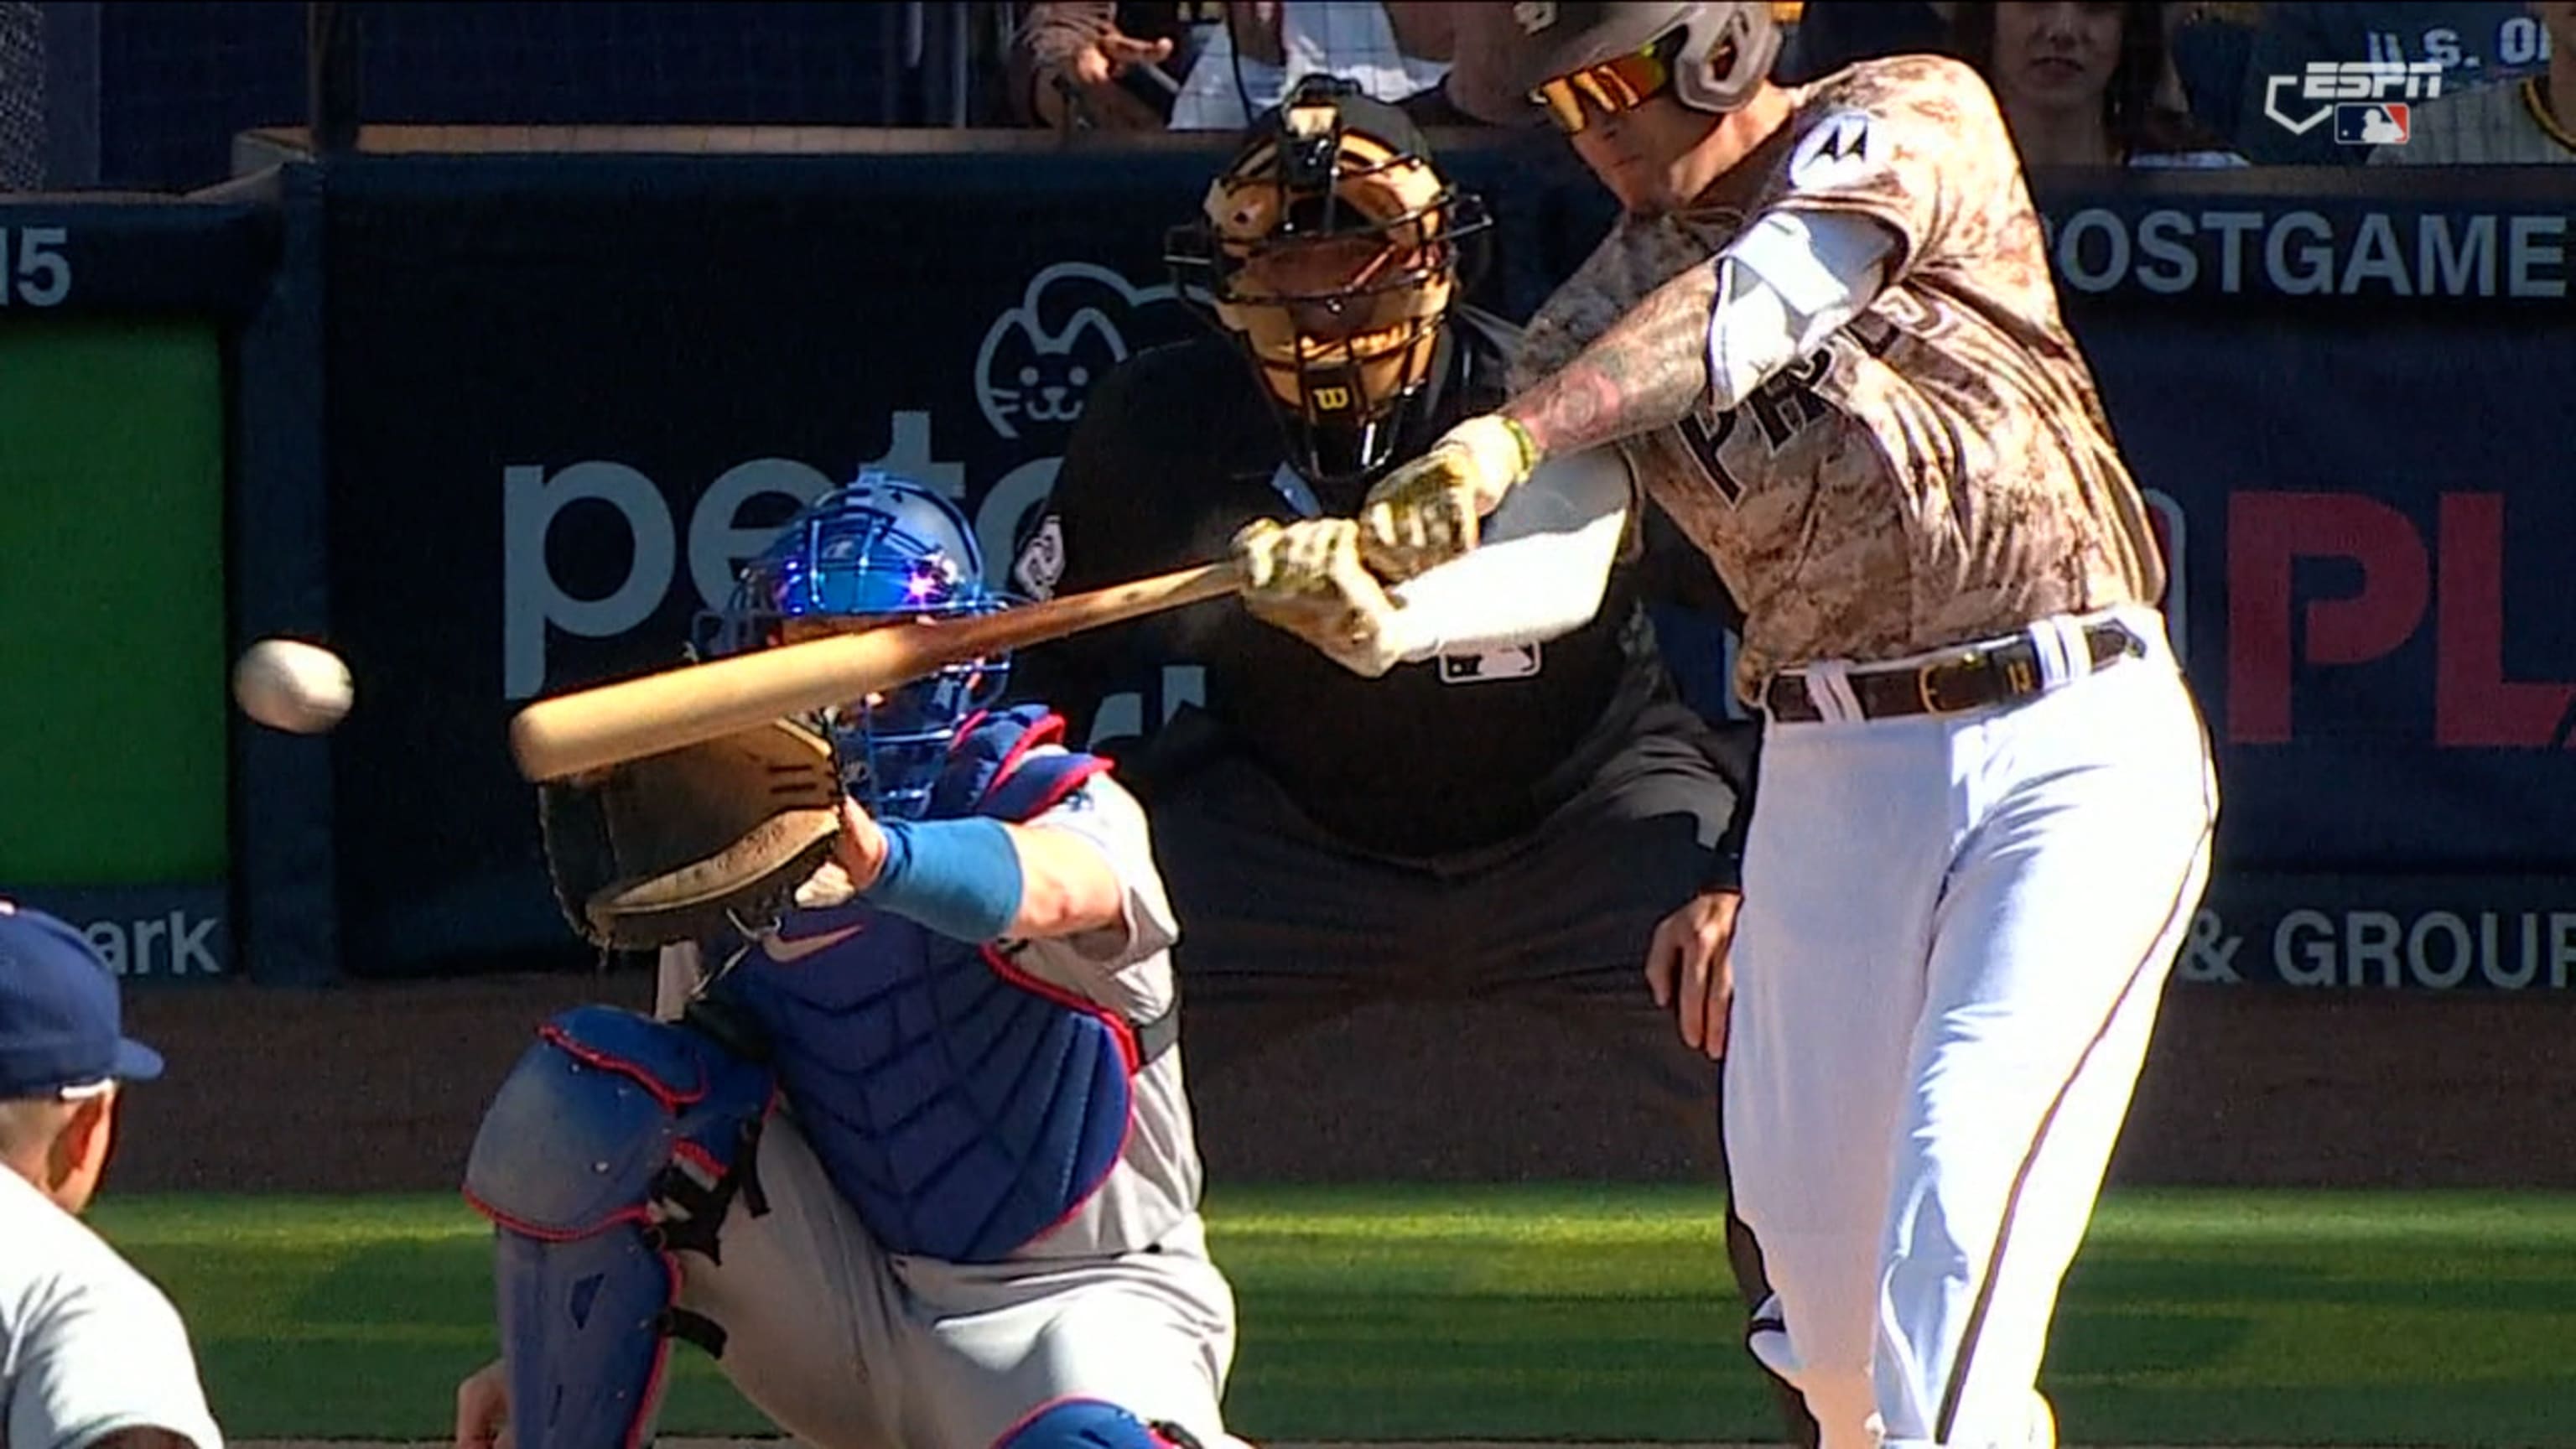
point(92, 1355)
point(1520, 824)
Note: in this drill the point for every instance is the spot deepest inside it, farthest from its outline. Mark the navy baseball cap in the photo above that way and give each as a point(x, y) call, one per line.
point(62, 1029)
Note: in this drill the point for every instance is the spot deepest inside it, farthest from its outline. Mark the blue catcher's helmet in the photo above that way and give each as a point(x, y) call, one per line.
point(881, 550)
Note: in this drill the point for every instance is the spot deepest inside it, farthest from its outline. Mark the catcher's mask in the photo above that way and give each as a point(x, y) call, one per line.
point(1331, 250)
point(1577, 61)
point(879, 551)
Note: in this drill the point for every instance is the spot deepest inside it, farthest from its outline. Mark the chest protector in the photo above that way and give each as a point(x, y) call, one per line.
point(961, 1106)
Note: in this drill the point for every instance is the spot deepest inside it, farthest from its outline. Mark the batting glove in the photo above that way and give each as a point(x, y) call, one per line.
point(1307, 578)
point(1428, 511)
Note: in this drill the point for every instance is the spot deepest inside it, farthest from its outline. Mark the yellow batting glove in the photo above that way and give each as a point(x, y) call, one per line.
point(1429, 511)
point(1307, 578)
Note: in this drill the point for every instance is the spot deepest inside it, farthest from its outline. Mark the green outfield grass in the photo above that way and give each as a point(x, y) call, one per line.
point(2191, 1317)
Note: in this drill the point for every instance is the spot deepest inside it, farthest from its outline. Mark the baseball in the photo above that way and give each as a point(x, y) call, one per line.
point(292, 686)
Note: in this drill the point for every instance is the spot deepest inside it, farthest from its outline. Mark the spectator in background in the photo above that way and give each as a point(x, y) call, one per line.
point(2212, 42)
point(1100, 66)
point(2527, 122)
point(1831, 34)
point(92, 1355)
point(1471, 92)
point(2081, 84)
point(1242, 56)
point(2475, 42)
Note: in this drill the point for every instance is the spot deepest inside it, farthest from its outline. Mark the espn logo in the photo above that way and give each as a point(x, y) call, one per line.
point(2351, 92)
point(2374, 123)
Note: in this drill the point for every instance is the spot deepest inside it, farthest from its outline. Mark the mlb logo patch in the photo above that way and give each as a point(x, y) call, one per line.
point(1512, 661)
point(2373, 123)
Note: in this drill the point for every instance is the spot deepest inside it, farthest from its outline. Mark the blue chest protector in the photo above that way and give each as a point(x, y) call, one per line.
point(961, 1106)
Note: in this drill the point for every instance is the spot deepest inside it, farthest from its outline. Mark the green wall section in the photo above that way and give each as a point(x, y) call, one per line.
point(112, 660)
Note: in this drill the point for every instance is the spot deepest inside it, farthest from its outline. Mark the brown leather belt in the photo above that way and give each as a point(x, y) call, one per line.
point(1975, 678)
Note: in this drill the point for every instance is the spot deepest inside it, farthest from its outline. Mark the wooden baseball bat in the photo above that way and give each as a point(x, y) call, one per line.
point(694, 703)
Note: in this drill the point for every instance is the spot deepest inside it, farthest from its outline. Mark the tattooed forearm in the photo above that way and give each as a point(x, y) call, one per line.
point(1645, 373)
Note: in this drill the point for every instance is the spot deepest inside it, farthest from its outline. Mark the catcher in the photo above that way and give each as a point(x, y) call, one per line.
point(906, 1146)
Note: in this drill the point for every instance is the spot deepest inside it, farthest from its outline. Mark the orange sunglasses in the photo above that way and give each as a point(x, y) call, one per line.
point(1620, 84)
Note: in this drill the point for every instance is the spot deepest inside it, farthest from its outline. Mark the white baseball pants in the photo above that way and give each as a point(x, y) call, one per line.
point(1956, 931)
point(846, 1346)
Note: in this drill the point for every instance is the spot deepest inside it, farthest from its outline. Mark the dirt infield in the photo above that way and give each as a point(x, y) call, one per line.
point(378, 1087)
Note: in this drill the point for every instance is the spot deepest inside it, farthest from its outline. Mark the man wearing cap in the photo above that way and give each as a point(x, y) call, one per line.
point(92, 1355)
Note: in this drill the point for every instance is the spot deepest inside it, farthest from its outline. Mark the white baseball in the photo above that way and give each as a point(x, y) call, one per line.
point(293, 686)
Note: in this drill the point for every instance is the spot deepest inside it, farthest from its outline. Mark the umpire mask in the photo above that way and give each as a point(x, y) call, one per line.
point(1330, 250)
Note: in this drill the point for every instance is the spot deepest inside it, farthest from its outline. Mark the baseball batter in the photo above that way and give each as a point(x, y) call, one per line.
point(1825, 336)
point(914, 1160)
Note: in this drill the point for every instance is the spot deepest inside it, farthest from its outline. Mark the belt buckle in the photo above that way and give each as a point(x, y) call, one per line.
point(2020, 678)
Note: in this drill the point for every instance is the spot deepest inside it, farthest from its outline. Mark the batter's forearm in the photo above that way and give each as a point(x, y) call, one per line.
point(1539, 572)
point(1710, 336)
point(1647, 372)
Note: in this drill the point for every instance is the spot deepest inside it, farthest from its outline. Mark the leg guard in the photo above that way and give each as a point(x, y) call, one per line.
point(616, 1143)
point(1092, 1424)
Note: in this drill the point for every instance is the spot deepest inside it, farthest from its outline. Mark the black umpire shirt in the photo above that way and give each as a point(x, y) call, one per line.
point(1175, 451)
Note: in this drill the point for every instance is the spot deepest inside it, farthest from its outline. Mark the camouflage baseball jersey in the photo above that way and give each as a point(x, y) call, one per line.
point(1941, 469)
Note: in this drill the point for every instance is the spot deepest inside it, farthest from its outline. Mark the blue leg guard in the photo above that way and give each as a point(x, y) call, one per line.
point(1092, 1424)
point(616, 1143)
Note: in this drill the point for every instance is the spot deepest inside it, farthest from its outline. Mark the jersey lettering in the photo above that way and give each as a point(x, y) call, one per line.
point(1784, 405)
point(1894, 313)
point(1704, 439)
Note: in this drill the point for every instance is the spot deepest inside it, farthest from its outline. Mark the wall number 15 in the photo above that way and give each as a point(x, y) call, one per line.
point(34, 271)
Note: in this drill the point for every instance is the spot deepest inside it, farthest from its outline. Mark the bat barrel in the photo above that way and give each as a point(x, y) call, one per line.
point(636, 718)
point(657, 713)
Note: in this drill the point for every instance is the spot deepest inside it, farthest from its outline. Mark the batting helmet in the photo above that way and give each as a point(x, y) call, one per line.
point(1331, 250)
point(1615, 54)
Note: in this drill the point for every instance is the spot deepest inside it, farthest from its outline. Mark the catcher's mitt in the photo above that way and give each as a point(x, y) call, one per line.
point(681, 845)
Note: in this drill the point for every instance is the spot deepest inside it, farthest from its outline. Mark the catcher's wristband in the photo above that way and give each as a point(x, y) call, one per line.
point(960, 878)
